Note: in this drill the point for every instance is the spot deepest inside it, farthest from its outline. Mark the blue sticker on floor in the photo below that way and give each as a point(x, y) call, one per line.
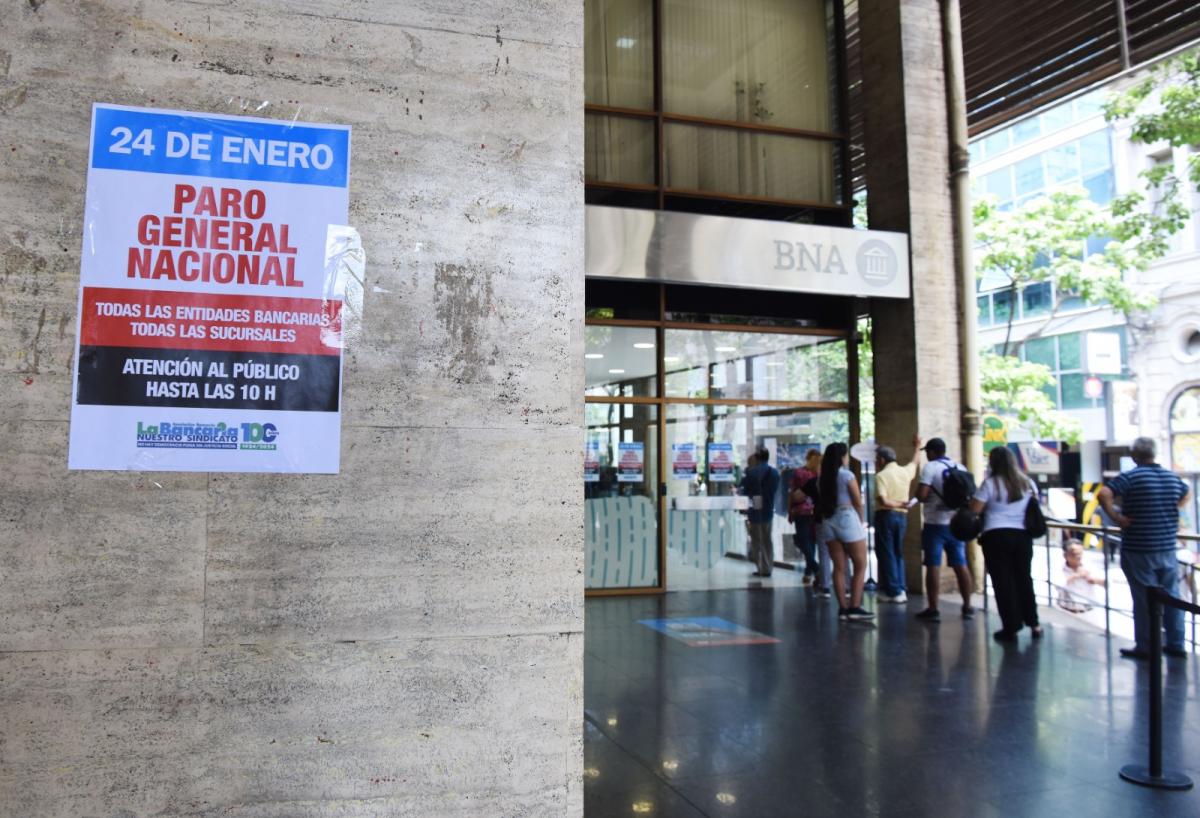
point(707, 632)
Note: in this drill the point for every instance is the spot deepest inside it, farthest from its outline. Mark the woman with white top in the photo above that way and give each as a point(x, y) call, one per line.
point(841, 511)
point(1007, 546)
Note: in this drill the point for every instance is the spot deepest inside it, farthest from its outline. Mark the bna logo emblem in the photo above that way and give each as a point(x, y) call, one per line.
point(877, 263)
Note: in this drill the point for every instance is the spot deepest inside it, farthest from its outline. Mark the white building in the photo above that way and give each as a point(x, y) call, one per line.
point(1153, 366)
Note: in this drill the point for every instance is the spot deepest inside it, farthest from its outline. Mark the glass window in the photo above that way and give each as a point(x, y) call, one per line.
point(1036, 299)
point(759, 366)
point(1069, 352)
point(985, 310)
point(1070, 300)
point(1090, 104)
point(1094, 152)
point(1101, 188)
point(1057, 118)
point(975, 150)
point(1096, 244)
point(620, 490)
point(1027, 130)
point(618, 149)
point(618, 53)
point(1041, 351)
point(1030, 178)
point(722, 160)
point(1002, 306)
point(1062, 163)
point(620, 361)
point(757, 61)
point(1073, 396)
point(996, 143)
point(999, 184)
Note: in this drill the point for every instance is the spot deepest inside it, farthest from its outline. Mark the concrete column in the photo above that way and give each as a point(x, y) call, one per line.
point(404, 638)
point(917, 380)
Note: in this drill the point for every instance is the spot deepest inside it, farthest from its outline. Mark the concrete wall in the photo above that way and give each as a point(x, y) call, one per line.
point(404, 638)
point(917, 371)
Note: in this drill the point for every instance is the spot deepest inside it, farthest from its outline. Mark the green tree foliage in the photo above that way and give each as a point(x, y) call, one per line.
point(1045, 240)
point(1164, 107)
point(1016, 389)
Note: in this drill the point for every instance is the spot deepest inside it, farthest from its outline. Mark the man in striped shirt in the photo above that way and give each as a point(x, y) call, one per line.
point(1149, 519)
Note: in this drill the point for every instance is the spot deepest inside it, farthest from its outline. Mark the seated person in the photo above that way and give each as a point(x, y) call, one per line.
point(1074, 594)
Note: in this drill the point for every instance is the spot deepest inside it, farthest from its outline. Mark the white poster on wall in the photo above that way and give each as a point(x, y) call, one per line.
point(631, 462)
point(212, 294)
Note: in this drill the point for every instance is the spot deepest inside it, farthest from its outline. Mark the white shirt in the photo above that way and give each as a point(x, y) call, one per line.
point(936, 512)
point(998, 511)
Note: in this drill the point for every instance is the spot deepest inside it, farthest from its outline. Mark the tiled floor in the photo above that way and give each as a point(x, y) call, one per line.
point(899, 718)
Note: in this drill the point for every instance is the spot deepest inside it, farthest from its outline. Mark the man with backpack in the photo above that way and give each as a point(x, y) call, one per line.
point(944, 488)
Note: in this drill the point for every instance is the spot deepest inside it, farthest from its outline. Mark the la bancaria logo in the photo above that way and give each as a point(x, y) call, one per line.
point(173, 435)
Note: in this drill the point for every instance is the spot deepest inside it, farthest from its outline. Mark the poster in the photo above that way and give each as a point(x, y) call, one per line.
point(683, 461)
point(720, 462)
point(631, 462)
point(211, 299)
point(591, 462)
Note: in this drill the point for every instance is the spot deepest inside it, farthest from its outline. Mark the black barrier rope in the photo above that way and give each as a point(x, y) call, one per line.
point(1153, 775)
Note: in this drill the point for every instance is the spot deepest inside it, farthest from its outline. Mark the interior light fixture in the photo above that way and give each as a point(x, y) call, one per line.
point(616, 372)
point(670, 766)
point(593, 356)
point(671, 359)
point(643, 345)
point(725, 349)
point(642, 807)
point(726, 798)
point(626, 42)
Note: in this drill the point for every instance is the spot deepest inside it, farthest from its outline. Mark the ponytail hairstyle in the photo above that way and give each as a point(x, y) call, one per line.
point(831, 463)
point(1003, 467)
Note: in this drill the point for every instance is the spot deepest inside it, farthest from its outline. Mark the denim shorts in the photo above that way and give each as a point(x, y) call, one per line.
point(936, 537)
point(844, 526)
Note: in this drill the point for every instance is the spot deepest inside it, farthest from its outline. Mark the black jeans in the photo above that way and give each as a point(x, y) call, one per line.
point(1008, 553)
point(805, 540)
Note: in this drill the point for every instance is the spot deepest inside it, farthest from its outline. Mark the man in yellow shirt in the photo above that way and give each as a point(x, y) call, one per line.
point(893, 484)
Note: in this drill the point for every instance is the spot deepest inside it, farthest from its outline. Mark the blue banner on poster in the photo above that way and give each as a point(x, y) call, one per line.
point(259, 150)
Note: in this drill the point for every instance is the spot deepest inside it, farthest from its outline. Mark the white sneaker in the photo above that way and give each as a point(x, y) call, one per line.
point(899, 599)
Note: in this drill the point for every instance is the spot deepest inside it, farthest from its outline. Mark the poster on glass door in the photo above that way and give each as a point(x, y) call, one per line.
point(631, 462)
point(591, 462)
point(683, 461)
point(720, 462)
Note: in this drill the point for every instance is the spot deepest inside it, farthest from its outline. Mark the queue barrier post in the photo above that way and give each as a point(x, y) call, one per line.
point(1153, 775)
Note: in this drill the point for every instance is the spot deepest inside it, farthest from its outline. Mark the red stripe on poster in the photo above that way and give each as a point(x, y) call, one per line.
point(166, 319)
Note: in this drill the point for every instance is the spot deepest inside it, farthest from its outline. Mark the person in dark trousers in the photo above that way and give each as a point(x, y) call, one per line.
point(1149, 519)
point(1007, 546)
point(800, 511)
point(761, 484)
point(893, 484)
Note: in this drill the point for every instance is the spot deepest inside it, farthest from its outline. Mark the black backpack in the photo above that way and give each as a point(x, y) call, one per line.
point(958, 487)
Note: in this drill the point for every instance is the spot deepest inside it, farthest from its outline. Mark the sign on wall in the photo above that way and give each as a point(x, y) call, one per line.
point(631, 462)
point(210, 306)
point(720, 462)
point(683, 461)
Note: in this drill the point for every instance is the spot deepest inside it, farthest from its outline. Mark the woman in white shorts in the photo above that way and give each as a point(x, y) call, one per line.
point(841, 510)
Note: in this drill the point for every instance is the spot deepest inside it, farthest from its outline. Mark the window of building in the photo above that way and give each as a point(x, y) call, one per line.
point(709, 100)
point(1063, 355)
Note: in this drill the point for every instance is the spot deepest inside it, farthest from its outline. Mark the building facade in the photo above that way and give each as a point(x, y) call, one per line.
point(1119, 379)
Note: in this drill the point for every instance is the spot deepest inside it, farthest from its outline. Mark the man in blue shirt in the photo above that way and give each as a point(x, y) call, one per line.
point(761, 484)
point(1149, 520)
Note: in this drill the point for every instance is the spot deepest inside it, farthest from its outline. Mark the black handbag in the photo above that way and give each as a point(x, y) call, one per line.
point(966, 525)
point(1035, 520)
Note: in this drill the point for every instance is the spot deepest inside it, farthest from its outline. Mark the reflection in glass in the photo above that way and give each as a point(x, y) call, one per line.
point(705, 522)
point(620, 361)
point(618, 53)
point(759, 366)
point(621, 504)
point(618, 149)
point(722, 160)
